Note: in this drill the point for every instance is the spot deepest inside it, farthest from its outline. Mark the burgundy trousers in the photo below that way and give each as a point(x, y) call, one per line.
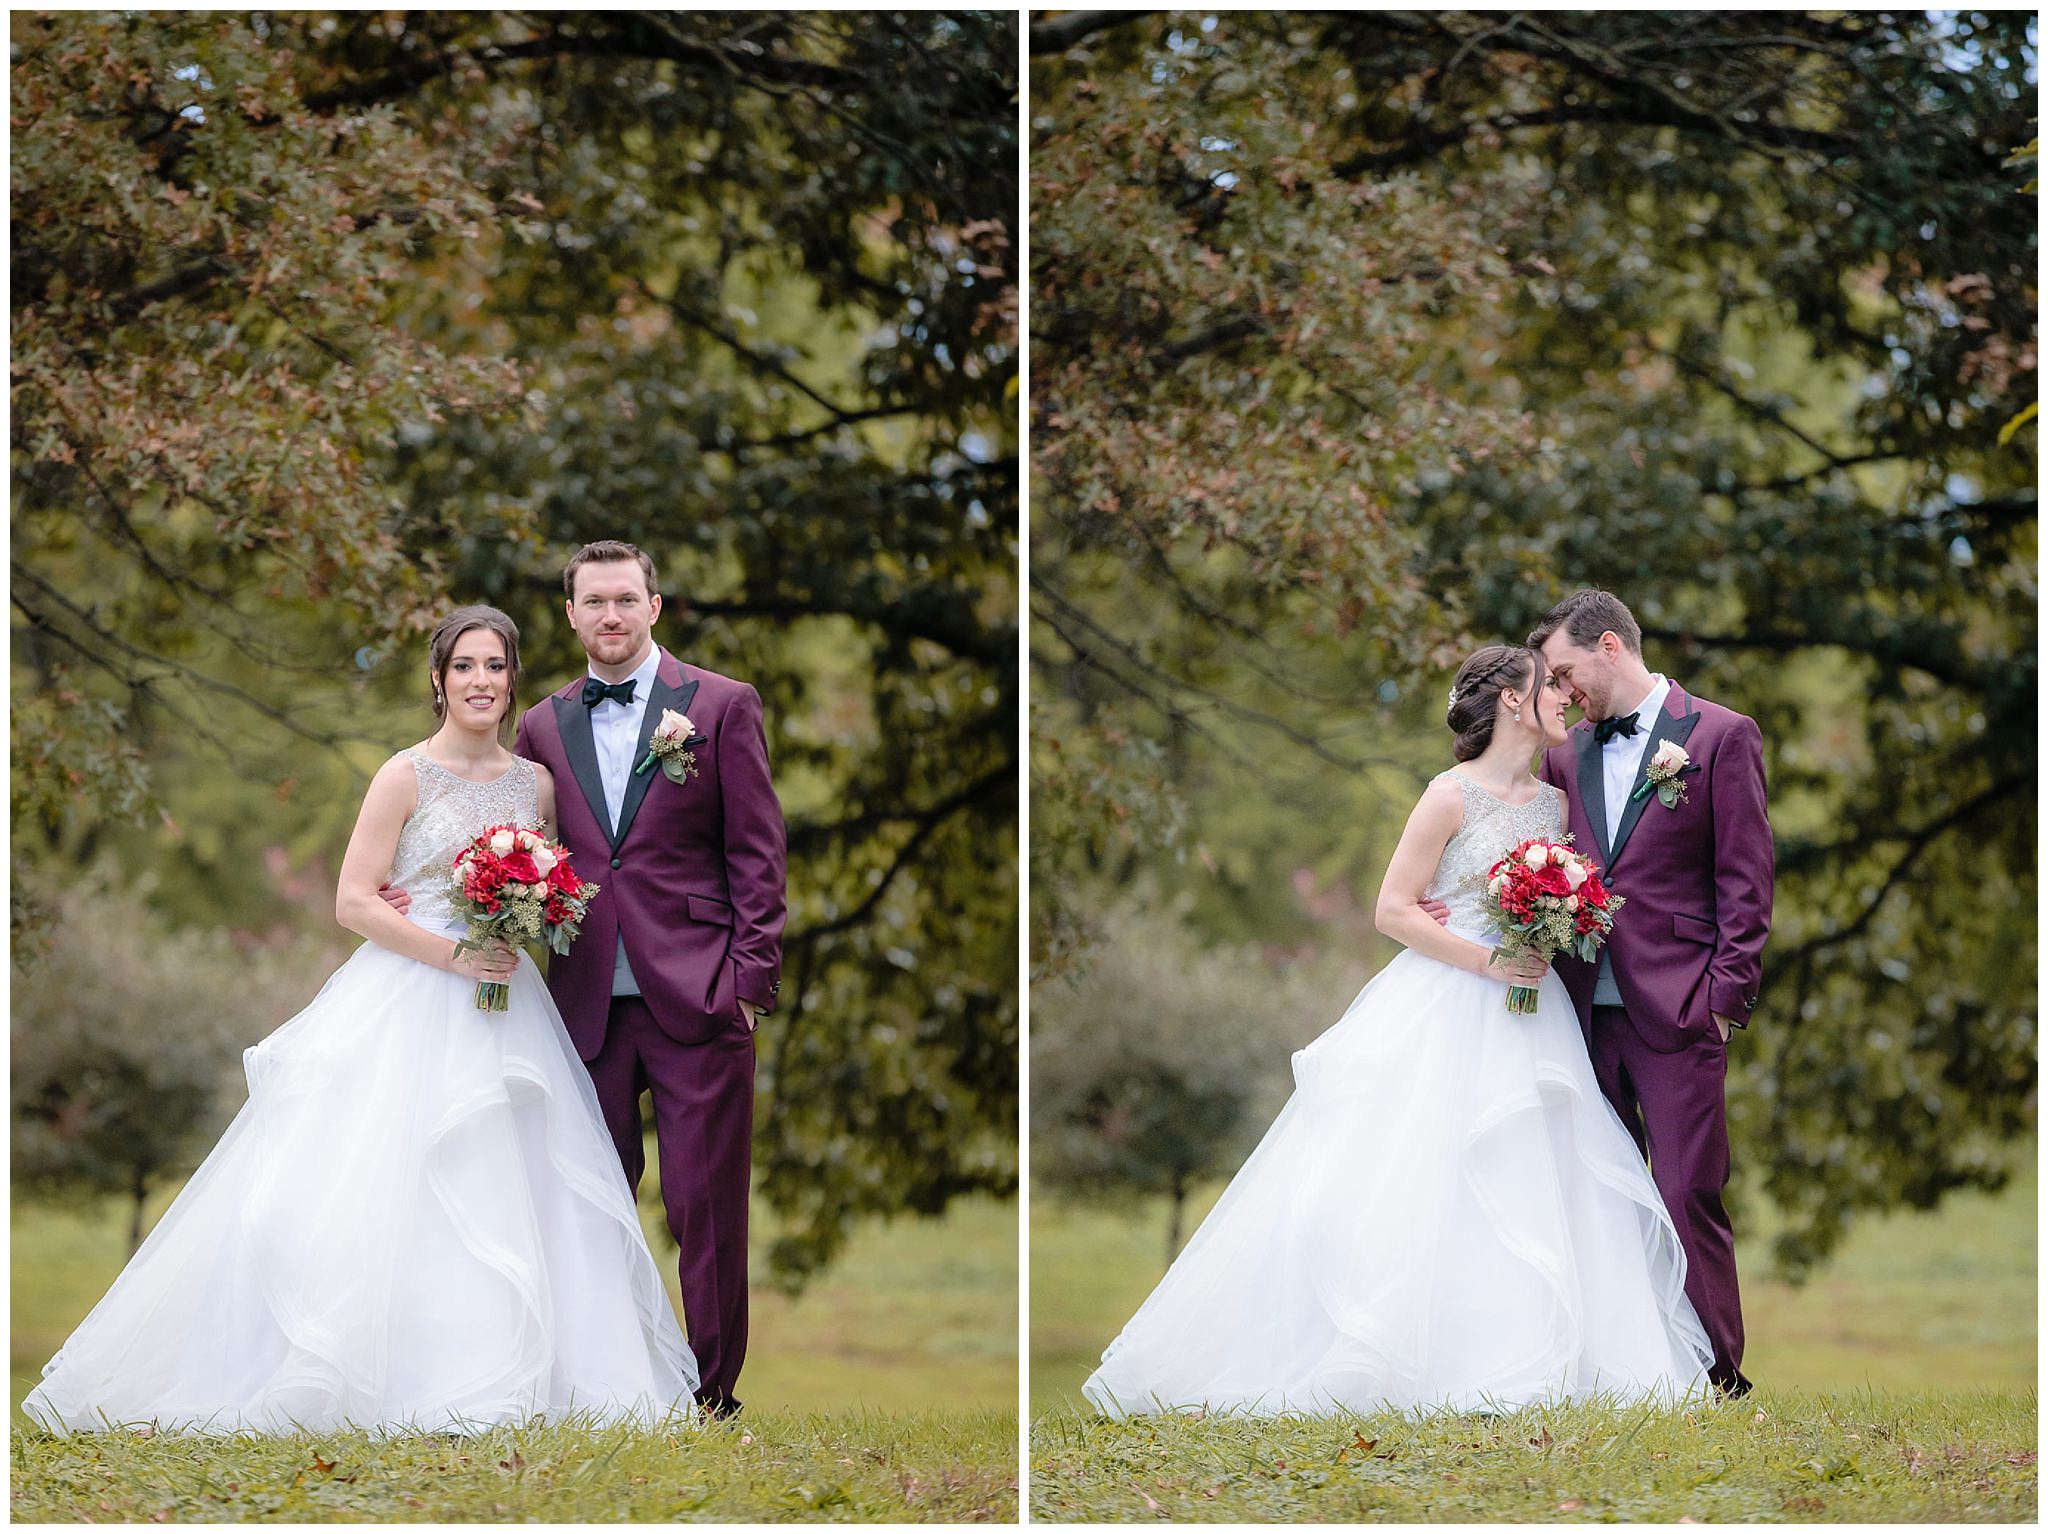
point(1676, 1106)
point(703, 1098)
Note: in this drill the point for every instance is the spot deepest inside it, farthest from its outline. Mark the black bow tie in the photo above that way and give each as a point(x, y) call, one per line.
point(1603, 731)
point(595, 691)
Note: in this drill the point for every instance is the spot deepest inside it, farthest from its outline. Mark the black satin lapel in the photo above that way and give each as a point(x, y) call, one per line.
point(572, 718)
point(1668, 728)
point(1593, 791)
point(659, 697)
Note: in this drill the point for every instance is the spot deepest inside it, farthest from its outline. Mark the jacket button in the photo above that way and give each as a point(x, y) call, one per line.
point(615, 862)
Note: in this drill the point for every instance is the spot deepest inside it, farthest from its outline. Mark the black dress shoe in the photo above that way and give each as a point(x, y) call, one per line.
point(719, 1408)
point(1733, 1385)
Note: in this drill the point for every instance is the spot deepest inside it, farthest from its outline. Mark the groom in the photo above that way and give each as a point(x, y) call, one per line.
point(1694, 859)
point(681, 952)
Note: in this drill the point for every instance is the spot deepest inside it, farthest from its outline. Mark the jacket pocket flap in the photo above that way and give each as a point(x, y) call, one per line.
point(708, 908)
point(1691, 928)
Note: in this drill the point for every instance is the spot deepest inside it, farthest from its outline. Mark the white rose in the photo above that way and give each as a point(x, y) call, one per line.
point(502, 843)
point(1571, 902)
point(1670, 757)
point(527, 841)
point(1558, 855)
point(1575, 873)
point(1536, 857)
point(674, 726)
point(544, 860)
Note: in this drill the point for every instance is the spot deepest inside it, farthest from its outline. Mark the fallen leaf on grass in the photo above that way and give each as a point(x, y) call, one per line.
point(1210, 1491)
point(2025, 1457)
point(1802, 1505)
point(324, 1466)
point(1570, 1507)
point(1150, 1505)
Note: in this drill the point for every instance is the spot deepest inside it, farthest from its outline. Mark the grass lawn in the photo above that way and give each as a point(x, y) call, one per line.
point(1776, 1456)
point(1897, 1385)
point(847, 1466)
point(886, 1390)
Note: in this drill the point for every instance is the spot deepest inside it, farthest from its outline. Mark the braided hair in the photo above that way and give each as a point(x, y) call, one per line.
point(1475, 695)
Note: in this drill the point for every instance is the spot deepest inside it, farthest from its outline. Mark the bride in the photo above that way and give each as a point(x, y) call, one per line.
point(418, 1222)
point(1447, 1214)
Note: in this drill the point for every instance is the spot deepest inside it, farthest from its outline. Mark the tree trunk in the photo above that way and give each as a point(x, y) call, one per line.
point(1178, 1195)
point(141, 1191)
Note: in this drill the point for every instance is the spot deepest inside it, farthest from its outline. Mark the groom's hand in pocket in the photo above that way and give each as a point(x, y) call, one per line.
point(394, 897)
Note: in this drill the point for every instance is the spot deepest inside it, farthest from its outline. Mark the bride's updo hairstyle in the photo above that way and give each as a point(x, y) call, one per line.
point(1475, 695)
point(441, 647)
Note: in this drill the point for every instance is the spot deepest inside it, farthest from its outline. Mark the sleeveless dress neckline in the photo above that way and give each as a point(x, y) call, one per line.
point(419, 754)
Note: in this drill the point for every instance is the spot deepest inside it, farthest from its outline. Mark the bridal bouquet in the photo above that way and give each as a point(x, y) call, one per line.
point(1548, 899)
point(516, 886)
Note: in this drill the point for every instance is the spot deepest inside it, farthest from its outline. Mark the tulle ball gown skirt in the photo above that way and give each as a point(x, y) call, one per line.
point(1447, 1215)
point(417, 1223)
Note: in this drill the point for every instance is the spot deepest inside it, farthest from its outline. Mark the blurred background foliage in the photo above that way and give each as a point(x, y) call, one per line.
point(1359, 339)
point(323, 323)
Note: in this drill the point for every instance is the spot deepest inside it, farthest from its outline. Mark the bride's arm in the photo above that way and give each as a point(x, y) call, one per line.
point(544, 793)
point(366, 864)
point(1400, 914)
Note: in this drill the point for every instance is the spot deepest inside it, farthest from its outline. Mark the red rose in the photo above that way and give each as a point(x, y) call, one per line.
point(520, 866)
point(562, 878)
point(1551, 881)
point(555, 911)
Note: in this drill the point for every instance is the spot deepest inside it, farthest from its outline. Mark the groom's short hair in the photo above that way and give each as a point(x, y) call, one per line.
point(1585, 616)
point(605, 551)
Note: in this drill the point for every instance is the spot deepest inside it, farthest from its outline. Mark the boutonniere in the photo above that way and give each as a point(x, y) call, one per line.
point(671, 747)
point(1663, 773)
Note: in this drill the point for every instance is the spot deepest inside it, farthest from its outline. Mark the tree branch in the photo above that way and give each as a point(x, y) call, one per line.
point(1064, 31)
point(1002, 776)
point(647, 36)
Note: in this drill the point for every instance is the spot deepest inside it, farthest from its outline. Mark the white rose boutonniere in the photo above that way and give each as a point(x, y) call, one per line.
point(1669, 764)
point(670, 747)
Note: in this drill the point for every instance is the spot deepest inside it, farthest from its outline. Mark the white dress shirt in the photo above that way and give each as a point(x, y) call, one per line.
point(615, 730)
point(1620, 760)
point(1622, 757)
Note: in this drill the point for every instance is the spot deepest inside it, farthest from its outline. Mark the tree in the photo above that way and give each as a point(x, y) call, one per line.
point(127, 1046)
point(1723, 312)
point(1156, 1069)
point(737, 287)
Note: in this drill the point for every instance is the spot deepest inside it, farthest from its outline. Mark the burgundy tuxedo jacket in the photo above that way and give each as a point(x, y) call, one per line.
point(693, 874)
point(1697, 877)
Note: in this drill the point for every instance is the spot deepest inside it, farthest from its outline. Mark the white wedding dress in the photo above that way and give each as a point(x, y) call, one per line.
point(417, 1223)
point(1447, 1215)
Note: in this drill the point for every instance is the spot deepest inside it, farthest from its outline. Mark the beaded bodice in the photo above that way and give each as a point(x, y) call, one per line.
point(1490, 827)
point(450, 812)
